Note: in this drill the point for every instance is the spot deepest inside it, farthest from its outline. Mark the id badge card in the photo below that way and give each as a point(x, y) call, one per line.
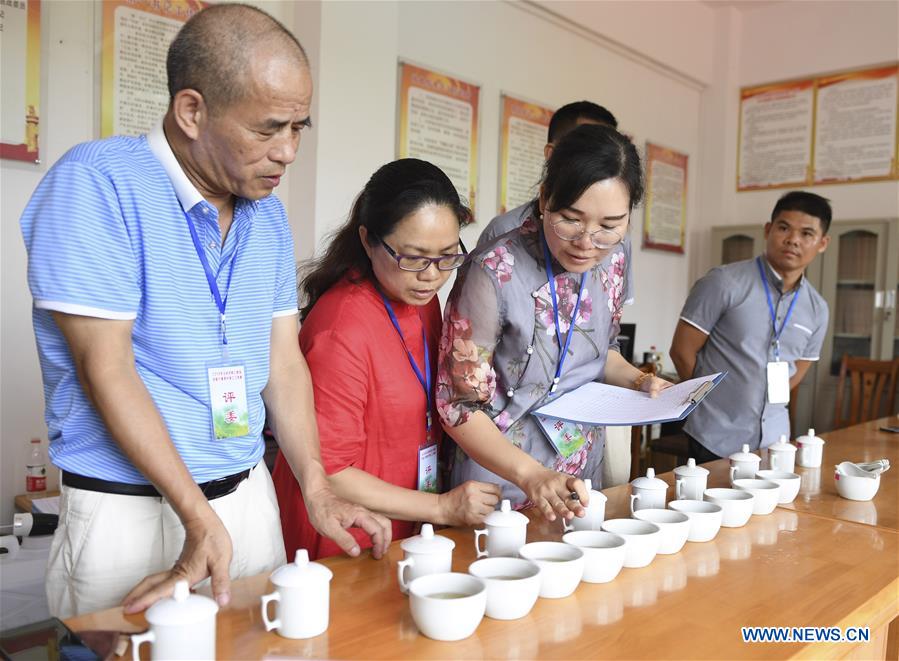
point(427, 468)
point(566, 437)
point(228, 399)
point(779, 382)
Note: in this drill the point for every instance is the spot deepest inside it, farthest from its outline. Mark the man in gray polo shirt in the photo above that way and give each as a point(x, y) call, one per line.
point(762, 322)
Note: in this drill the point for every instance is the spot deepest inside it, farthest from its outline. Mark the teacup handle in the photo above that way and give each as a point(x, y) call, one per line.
point(139, 639)
point(678, 490)
point(634, 497)
point(477, 546)
point(270, 624)
point(733, 474)
point(566, 526)
point(401, 573)
point(772, 460)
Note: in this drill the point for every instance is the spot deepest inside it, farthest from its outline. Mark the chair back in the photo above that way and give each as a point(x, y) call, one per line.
point(872, 390)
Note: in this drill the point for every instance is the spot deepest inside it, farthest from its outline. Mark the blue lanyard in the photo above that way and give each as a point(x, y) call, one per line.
point(577, 305)
point(777, 332)
point(423, 379)
point(220, 301)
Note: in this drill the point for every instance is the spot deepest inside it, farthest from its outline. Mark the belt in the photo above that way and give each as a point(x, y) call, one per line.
point(212, 489)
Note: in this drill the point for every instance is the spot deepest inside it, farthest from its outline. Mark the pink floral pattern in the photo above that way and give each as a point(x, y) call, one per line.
point(464, 372)
point(576, 463)
point(566, 294)
point(500, 260)
point(613, 282)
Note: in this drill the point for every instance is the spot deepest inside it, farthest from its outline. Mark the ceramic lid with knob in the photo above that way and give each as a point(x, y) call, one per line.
point(300, 572)
point(598, 495)
point(691, 469)
point(650, 482)
point(182, 608)
point(782, 445)
point(427, 542)
point(505, 517)
point(809, 439)
point(744, 455)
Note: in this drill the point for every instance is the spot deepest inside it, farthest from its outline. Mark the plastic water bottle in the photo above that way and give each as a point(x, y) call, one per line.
point(36, 468)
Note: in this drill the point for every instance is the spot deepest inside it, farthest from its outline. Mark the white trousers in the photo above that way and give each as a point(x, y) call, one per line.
point(106, 543)
point(616, 461)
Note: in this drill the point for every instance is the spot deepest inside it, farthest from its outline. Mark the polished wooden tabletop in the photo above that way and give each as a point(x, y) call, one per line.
point(790, 568)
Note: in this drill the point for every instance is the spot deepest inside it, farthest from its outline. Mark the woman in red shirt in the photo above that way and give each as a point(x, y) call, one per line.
point(370, 330)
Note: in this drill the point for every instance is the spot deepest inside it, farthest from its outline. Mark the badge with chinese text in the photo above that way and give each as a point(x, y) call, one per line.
point(427, 468)
point(566, 437)
point(228, 400)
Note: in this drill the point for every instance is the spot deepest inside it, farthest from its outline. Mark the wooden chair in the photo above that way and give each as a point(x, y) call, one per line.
point(870, 383)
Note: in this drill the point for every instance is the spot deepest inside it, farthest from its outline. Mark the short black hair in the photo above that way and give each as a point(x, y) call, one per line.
point(213, 51)
point(566, 118)
point(808, 203)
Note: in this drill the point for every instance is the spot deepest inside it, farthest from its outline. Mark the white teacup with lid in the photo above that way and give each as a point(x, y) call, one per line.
point(506, 532)
point(648, 492)
point(596, 511)
point(303, 593)
point(811, 450)
point(690, 481)
point(181, 627)
point(782, 455)
point(424, 554)
point(743, 464)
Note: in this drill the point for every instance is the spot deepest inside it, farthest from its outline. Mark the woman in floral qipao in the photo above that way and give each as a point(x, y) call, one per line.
point(500, 348)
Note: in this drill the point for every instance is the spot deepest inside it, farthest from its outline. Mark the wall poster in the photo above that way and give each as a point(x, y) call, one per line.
point(438, 122)
point(665, 209)
point(20, 103)
point(523, 129)
point(136, 37)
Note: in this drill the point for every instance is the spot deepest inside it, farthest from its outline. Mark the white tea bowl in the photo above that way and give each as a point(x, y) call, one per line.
point(736, 505)
point(643, 540)
point(705, 518)
point(766, 492)
point(603, 553)
point(447, 606)
point(788, 482)
point(855, 486)
point(513, 585)
point(561, 567)
point(675, 528)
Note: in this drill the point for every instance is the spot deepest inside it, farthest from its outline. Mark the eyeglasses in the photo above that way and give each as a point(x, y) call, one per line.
point(573, 230)
point(421, 263)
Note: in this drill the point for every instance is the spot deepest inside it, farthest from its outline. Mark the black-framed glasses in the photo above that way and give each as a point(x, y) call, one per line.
point(573, 230)
point(421, 263)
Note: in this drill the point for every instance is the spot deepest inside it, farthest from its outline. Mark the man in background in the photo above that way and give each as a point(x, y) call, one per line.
point(762, 322)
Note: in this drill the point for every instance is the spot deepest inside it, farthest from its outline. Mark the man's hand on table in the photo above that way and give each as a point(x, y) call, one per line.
point(331, 516)
point(206, 553)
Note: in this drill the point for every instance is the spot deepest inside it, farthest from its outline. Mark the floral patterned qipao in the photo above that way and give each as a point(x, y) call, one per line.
point(498, 352)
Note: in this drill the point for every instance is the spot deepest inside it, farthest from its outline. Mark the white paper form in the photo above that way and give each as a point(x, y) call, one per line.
point(601, 404)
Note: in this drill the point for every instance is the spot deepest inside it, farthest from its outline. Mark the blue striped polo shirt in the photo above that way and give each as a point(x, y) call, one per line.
point(107, 236)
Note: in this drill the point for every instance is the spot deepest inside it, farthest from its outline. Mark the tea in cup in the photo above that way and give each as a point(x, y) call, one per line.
point(561, 567)
point(447, 606)
point(736, 505)
point(675, 527)
point(603, 553)
point(303, 595)
point(705, 518)
point(643, 539)
point(788, 482)
point(424, 554)
point(766, 492)
point(506, 532)
point(513, 585)
point(181, 627)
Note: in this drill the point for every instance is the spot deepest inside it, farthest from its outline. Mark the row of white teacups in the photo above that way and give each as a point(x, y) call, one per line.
point(509, 575)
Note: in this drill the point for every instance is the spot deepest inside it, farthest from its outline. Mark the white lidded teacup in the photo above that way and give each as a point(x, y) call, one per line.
point(648, 492)
point(506, 532)
point(690, 481)
point(181, 627)
point(513, 585)
point(424, 554)
point(596, 511)
point(743, 464)
point(303, 594)
point(811, 450)
point(782, 455)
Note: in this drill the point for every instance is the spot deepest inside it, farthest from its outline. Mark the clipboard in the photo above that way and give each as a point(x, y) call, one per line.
point(600, 404)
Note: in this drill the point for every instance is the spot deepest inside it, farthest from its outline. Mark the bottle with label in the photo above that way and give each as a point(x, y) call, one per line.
point(36, 467)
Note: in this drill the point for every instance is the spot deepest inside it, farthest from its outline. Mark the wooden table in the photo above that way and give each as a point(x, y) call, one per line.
point(790, 568)
point(23, 500)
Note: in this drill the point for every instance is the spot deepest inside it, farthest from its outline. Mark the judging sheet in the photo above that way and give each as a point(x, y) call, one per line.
point(601, 404)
